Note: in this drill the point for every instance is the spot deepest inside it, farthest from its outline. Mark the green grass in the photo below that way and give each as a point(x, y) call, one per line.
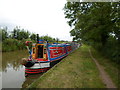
point(110, 67)
point(77, 70)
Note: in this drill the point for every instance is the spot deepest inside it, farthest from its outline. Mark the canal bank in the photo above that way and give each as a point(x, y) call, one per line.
point(77, 70)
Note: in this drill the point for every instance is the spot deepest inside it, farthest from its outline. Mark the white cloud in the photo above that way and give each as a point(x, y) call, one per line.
point(39, 16)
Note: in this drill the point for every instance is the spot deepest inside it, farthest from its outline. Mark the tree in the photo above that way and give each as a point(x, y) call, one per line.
point(4, 33)
point(23, 35)
point(15, 32)
point(47, 38)
point(33, 37)
point(19, 33)
point(94, 23)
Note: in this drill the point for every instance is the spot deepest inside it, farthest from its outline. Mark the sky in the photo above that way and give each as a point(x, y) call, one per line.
point(43, 17)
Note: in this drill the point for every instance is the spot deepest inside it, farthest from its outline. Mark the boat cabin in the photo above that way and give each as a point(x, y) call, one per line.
point(39, 50)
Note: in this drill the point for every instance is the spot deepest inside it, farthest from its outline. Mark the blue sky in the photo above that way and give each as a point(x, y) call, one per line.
point(44, 17)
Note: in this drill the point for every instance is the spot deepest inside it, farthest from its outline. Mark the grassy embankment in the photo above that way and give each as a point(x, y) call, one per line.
point(77, 70)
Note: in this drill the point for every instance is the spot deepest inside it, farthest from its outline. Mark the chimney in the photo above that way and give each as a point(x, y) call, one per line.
point(37, 38)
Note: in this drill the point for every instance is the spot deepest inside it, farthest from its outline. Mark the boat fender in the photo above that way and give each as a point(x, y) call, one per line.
point(29, 64)
point(24, 61)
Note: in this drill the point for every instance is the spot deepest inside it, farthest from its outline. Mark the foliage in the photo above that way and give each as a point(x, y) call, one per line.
point(12, 45)
point(4, 33)
point(33, 37)
point(15, 40)
point(96, 24)
point(20, 34)
point(48, 38)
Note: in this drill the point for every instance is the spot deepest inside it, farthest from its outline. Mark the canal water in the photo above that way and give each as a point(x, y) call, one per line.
point(13, 73)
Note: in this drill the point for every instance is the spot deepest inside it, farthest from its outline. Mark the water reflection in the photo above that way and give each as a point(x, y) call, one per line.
point(12, 78)
point(12, 70)
point(13, 59)
point(13, 73)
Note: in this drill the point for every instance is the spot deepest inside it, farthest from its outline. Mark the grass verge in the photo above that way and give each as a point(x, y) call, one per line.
point(110, 67)
point(77, 70)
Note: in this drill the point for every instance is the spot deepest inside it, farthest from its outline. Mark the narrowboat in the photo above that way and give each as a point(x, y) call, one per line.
point(45, 55)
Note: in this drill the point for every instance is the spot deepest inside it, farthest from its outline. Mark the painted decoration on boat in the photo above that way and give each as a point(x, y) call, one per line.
point(44, 55)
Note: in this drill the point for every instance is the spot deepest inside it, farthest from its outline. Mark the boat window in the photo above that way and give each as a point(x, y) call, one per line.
point(33, 50)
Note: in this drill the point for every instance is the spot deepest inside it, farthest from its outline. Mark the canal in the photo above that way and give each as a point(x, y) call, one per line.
point(13, 73)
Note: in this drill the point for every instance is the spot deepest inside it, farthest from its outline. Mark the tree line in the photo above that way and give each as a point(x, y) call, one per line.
point(15, 39)
point(96, 24)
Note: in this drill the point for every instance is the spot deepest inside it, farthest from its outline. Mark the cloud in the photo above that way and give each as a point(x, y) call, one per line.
point(38, 16)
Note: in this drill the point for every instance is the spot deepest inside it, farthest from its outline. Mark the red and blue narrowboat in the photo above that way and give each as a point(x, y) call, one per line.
point(45, 55)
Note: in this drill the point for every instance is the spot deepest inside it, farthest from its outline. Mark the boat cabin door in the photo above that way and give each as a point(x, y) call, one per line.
point(40, 51)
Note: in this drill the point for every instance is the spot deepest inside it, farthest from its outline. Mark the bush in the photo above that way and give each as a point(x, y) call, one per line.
point(112, 49)
point(12, 45)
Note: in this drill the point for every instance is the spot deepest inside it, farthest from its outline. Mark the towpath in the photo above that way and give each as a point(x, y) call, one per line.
point(105, 77)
